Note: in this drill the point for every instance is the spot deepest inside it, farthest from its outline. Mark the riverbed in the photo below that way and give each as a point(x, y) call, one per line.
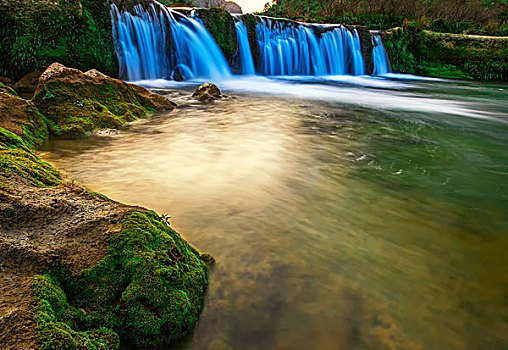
point(343, 212)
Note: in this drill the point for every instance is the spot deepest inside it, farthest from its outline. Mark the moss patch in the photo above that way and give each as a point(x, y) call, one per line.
point(221, 26)
point(62, 326)
point(148, 289)
point(24, 163)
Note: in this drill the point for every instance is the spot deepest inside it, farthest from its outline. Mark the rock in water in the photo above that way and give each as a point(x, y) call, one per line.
point(207, 93)
point(78, 103)
point(55, 70)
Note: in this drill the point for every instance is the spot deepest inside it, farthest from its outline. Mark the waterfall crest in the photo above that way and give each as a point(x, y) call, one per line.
point(380, 57)
point(289, 48)
point(159, 42)
point(163, 43)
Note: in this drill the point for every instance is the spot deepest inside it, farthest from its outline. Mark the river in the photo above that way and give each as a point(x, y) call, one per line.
point(343, 212)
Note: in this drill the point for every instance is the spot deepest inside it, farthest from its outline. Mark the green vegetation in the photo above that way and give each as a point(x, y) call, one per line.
point(221, 26)
point(34, 34)
point(17, 157)
point(414, 51)
point(60, 325)
point(148, 289)
point(483, 17)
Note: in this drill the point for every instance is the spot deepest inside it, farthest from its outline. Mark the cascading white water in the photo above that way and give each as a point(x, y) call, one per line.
point(162, 43)
point(380, 57)
point(244, 51)
point(289, 48)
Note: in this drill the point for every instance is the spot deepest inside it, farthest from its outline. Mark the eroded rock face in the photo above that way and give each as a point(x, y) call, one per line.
point(207, 93)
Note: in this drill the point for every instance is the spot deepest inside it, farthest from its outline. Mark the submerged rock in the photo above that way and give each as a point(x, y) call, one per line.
point(207, 93)
point(77, 103)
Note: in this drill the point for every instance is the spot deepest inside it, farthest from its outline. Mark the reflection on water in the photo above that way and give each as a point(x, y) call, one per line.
point(334, 226)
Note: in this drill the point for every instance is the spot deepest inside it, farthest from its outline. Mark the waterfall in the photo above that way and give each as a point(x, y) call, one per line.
point(163, 43)
point(380, 57)
point(244, 50)
point(289, 48)
point(159, 42)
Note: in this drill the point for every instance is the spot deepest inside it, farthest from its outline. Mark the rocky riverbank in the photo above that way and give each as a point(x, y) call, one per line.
point(77, 270)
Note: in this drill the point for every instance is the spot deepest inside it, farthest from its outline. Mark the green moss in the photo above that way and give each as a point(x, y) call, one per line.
point(148, 289)
point(7, 90)
point(77, 107)
point(151, 284)
point(221, 26)
point(24, 163)
point(36, 33)
point(9, 140)
point(36, 131)
point(62, 326)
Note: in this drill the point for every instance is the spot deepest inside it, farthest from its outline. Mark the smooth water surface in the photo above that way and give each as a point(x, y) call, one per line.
point(343, 212)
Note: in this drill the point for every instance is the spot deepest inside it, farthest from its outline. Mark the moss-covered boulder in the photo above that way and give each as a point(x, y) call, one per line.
point(221, 26)
point(76, 103)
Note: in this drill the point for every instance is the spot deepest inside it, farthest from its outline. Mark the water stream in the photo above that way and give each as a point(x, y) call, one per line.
point(343, 212)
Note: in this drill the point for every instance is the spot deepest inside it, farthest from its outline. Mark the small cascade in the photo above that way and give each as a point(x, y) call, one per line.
point(380, 57)
point(244, 51)
point(289, 48)
point(163, 43)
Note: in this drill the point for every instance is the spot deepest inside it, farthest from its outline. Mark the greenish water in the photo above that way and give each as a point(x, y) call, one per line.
point(335, 224)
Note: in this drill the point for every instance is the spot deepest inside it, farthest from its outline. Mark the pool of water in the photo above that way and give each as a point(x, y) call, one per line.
point(344, 213)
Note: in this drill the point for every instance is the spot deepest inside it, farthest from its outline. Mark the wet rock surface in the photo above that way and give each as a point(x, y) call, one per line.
point(207, 93)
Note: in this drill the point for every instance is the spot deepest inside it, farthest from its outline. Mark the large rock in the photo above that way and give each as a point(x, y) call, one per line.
point(207, 93)
point(55, 70)
point(78, 103)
